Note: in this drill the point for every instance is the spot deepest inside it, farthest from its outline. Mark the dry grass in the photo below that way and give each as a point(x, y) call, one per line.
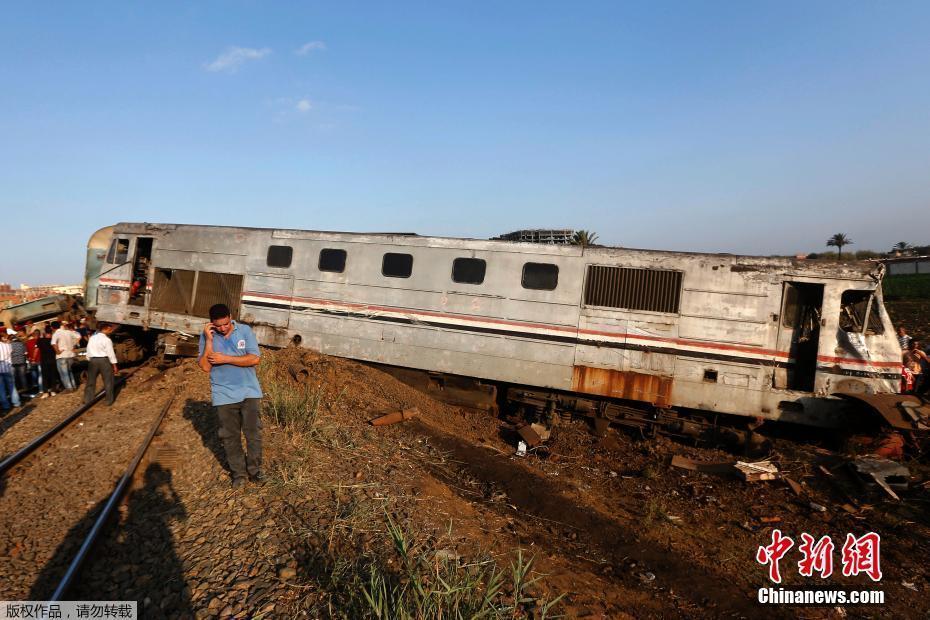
point(357, 561)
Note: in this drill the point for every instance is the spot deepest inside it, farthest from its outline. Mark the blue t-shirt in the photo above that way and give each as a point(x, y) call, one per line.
point(229, 383)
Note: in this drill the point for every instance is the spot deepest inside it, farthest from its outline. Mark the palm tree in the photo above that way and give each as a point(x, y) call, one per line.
point(584, 238)
point(838, 241)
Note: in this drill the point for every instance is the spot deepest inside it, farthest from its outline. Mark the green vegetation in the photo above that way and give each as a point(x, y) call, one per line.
point(427, 584)
point(584, 238)
point(286, 404)
point(838, 241)
point(911, 286)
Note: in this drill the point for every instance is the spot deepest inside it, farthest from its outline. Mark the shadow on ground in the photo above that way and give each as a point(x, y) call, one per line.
point(202, 417)
point(133, 560)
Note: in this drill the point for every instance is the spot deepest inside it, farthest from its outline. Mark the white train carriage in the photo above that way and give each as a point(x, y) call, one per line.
point(763, 337)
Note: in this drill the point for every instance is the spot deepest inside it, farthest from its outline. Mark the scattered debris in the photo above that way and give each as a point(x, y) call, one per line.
point(447, 555)
point(647, 577)
point(704, 468)
point(521, 449)
point(396, 416)
point(890, 445)
point(533, 434)
point(795, 486)
point(754, 472)
point(818, 507)
point(887, 474)
point(910, 586)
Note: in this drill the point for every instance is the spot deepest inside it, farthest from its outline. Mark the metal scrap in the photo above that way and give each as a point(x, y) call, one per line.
point(533, 434)
point(887, 474)
point(395, 416)
point(702, 467)
point(754, 472)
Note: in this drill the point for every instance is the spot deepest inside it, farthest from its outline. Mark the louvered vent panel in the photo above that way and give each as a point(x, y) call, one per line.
point(652, 290)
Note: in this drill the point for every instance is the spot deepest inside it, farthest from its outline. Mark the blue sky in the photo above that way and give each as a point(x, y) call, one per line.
point(738, 127)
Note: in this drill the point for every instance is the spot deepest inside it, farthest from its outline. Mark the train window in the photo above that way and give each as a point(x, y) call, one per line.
point(651, 290)
point(854, 306)
point(119, 251)
point(397, 265)
point(280, 256)
point(332, 260)
point(468, 270)
point(540, 276)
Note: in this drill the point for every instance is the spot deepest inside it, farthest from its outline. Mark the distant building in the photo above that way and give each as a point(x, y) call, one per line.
point(907, 265)
point(10, 296)
point(540, 235)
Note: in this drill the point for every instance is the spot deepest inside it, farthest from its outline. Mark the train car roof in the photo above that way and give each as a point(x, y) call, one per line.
point(736, 262)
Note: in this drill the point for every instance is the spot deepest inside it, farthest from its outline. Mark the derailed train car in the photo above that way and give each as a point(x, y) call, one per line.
point(606, 331)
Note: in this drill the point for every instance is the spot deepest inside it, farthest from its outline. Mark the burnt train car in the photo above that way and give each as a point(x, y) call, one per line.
point(591, 328)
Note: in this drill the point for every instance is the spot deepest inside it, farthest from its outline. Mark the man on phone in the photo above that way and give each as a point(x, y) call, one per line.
point(229, 352)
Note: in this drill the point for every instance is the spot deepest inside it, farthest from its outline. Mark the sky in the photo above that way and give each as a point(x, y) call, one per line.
point(743, 127)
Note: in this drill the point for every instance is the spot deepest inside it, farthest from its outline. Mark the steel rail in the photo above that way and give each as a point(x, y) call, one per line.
point(29, 448)
point(111, 504)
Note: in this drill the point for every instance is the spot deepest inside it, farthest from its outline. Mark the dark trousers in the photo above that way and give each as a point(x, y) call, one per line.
point(99, 366)
point(51, 382)
point(19, 372)
point(237, 419)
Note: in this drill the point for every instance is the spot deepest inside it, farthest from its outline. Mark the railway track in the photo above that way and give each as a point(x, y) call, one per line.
point(112, 502)
point(56, 501)
point(43, 440)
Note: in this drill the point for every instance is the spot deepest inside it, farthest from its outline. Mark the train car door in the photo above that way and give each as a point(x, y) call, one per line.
point(140, 275)
point(799, 335)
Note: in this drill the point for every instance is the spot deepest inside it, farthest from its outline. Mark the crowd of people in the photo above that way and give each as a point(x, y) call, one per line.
point(916, 373)
point(39, 362)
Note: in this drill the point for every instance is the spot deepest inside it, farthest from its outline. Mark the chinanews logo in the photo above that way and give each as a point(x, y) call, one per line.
point(858, 556)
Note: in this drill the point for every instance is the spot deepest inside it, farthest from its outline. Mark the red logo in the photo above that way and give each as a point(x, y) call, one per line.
point(859, 555)
point(771, 554)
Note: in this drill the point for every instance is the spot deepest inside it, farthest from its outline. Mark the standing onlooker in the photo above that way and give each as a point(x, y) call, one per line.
point(51, 382)
point(101, 360)
point(64, 340)
point(84, 332)
point(903, 339)
point(229, 352)
point(915, 361)
point(8, 393)
point(18, 359)
point(33, 361)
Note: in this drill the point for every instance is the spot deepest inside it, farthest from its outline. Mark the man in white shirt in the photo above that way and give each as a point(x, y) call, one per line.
point(8, 393)
point(101, 360)
point(64, 341)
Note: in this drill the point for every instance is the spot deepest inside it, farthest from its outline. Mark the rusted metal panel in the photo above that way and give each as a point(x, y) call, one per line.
point(628, 385)
point(899, 410)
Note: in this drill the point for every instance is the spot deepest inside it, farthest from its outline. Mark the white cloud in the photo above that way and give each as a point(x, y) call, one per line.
point(231, 59)
point(312, 46)
point(304, 105)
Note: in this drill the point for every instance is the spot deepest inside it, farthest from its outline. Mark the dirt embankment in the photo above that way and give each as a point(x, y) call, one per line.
point(352, 513)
